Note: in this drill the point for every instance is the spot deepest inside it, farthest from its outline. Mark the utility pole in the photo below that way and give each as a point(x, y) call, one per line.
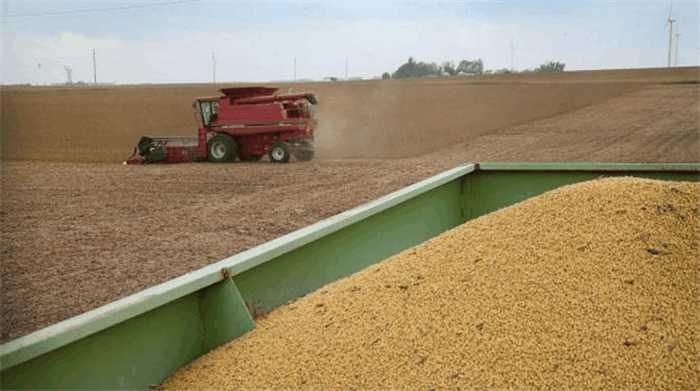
point(295, 69)
point(94, 68)
point(512, 56)
point(346, 68)
point(678, 39)
point(670, 22)
point(69, 74)
point(213, 68)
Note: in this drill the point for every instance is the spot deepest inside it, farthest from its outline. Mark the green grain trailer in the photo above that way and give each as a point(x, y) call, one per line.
point(138, 341)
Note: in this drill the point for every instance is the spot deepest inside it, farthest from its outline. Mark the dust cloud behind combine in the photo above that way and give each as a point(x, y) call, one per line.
point(364, 119)
point(402, 119)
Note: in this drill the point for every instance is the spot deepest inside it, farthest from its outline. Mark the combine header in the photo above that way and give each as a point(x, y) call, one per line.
point(244, 123)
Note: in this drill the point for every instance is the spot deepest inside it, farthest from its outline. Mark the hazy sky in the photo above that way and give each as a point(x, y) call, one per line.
point(172, 41)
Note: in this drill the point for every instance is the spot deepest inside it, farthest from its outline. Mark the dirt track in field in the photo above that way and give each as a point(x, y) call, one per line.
point(77, 236)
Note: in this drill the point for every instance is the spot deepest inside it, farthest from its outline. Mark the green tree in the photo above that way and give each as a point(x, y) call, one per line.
point(475, 67)
point(386, 76)
point(416, 69)
point(503, 71)
point(449, 68)
point(552, 66)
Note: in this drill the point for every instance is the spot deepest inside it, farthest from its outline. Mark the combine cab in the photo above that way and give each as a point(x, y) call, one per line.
point(245, 123)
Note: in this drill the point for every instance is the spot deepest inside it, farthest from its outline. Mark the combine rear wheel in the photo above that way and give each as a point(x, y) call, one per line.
point(304, 155)
point(279, 153)
point(222, 148)
point(303, 151)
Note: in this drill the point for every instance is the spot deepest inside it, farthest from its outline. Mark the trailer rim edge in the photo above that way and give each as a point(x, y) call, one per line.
point(62, 333)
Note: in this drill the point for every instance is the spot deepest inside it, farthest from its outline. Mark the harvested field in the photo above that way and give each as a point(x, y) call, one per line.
point(77, 236)
point(356, 120)
point(594, 285)
point(656, 124)
point(366, 119)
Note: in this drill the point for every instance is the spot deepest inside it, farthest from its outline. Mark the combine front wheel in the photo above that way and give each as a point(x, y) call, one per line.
point(279, 153)
point(222, 148)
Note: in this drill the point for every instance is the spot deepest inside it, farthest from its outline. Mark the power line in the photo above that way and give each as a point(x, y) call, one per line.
point(87, 10)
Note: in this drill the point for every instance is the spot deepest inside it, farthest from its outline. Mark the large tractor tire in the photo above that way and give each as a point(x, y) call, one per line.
point(304, 155)
point(304, 151)
point(222, 148)
point(279, 153)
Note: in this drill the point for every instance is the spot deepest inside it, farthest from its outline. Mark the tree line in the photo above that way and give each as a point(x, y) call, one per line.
point(413, 68)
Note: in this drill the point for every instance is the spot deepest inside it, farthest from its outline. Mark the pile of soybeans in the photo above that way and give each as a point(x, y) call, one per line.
point(593, 285)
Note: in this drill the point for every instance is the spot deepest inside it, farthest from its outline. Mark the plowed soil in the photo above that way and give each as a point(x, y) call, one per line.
point(77, 236)
point(592, 286)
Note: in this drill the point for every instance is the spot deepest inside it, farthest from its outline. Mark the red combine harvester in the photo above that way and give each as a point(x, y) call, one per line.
point(246, 122)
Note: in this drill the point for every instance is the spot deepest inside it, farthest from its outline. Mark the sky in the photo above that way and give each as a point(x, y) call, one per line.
point(167, 41)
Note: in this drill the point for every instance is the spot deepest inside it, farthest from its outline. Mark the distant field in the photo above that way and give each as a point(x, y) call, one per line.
point(364, 119)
